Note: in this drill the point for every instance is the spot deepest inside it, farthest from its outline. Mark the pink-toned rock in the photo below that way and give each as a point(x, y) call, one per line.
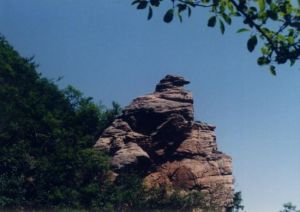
point(129, 155)
point(157, 133)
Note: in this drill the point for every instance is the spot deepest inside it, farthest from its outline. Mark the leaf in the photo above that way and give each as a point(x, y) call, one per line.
point(263, 61)
point(231, 7)
point(269, 1)
point(253, 9)
point(150, 13)
point(154, 3)
point(222, 26)
point(226, 18)
point(242, 30)
point(252, 42)
point(169, 16)
point(296, 25)
point(273, 70)
point(212, 21)
point(261, 5)
point(265, 50)
point(179, 16)
point(189, 12)
point(142, 5)
point(272, 14)
point(181, 7)
point(281, 58)
point(292, 62)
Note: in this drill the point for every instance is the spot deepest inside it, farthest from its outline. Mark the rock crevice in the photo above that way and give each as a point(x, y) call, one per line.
point(157, 134)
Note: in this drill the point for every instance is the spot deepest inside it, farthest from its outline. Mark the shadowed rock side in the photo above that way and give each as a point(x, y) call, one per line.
point(157, 136)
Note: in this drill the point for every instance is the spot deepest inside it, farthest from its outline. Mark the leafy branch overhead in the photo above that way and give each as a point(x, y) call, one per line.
point(273, 24)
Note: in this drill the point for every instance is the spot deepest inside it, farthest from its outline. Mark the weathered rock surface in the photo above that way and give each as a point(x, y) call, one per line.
point(157, 134)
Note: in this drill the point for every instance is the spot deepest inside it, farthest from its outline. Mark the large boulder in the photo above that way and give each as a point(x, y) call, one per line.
point(157, 136)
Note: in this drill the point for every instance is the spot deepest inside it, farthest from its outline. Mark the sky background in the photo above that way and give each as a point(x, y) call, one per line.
point(108, 50)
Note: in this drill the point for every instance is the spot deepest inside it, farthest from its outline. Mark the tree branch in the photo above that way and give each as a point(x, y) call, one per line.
point(256, 26)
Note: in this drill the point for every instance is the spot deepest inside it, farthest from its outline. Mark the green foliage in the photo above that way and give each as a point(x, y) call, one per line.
point(212, 21)
point(237, 203)
point(159, 199)
point(46, 135)
point(128, 192)
point(252, 42)
point(169, 16)
point(289, 207)
point(276, 23)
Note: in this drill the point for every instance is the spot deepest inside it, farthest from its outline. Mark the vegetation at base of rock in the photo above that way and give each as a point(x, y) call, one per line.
point(128, 193)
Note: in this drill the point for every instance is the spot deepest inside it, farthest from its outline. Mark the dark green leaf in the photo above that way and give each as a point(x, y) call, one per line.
point(263, 60)
point(181, 7)
point(142, 5)
point(252, 42)
point(281, 58)
point(216, 2)
point(169, 16)
point(212, 21)
point(180, 17)
point(226, 18)
point(222, 26)
point(296, 25)
point(242, 30)
point(272, 14)
point(253, 9)
point(189, 12)
point(273, 70)
point(269, 1)
point(154, 3)
point(260, 61)
point(292, 62)
point(150, 13)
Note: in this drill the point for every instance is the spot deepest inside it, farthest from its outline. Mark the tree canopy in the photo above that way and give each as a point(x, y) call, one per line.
point(46, 135)
point(274, 25)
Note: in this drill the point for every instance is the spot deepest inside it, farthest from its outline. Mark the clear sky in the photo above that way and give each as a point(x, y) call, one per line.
point(108, 50)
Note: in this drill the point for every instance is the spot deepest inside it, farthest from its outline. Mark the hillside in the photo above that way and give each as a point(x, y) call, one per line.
point(46, 135)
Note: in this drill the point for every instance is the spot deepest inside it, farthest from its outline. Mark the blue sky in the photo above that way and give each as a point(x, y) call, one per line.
point(108, 50)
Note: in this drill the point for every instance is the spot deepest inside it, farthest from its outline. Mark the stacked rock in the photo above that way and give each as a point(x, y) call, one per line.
point(157, 136)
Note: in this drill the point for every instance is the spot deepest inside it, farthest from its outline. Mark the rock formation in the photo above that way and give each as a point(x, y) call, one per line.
point(157, 135)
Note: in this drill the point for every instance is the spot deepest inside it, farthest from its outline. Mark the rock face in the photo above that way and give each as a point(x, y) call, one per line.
point(157, 135)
